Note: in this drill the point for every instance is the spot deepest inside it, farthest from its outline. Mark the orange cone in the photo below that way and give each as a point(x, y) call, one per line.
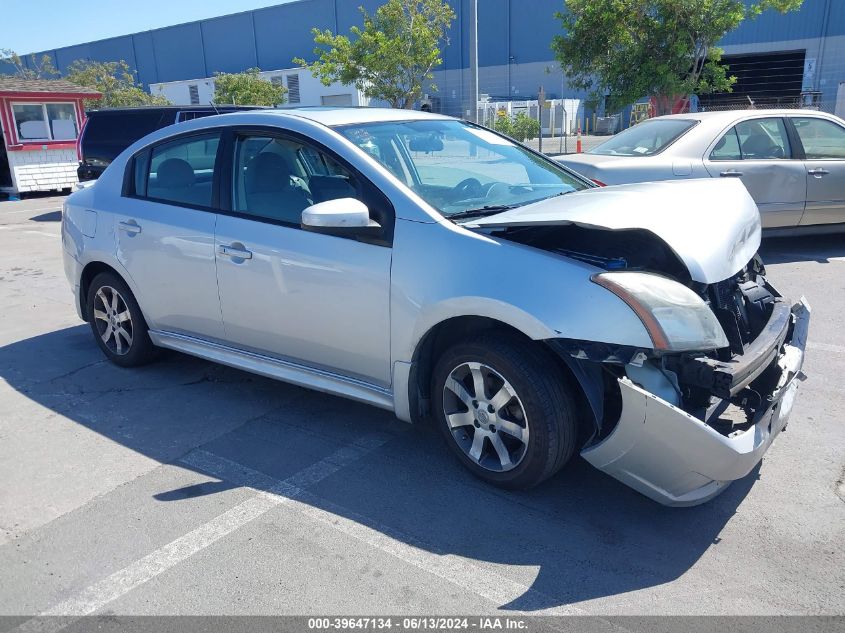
point(578, 143)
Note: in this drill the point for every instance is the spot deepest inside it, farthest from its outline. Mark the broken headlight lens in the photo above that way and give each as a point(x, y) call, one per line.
point(675, 317)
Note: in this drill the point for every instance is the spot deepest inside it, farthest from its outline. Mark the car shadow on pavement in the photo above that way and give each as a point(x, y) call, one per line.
point(808, 248)
point(50, 216)
point(577, 537)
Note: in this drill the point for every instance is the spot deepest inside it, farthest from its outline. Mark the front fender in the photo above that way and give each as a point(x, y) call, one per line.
point(441, 271)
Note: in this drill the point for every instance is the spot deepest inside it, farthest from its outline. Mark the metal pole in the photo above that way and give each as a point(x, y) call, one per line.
point(473, 61)
point(541, 97)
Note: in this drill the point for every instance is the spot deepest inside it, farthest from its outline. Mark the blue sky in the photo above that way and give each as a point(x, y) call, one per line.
point(36, 25)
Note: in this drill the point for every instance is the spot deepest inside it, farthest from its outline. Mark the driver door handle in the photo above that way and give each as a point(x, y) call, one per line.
point(130, 228)
point(731, 173)
point(819, 172)
point(235, 252)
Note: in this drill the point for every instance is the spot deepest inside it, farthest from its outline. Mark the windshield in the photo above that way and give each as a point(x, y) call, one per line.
point(644, 139)
point(460, 169)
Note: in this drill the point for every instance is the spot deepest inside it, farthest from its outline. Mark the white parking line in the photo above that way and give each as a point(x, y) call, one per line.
point(453, 569)
point(826, 347)
point(141, 571)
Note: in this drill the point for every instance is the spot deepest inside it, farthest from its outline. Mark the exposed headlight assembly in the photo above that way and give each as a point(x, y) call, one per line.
point(677, 319)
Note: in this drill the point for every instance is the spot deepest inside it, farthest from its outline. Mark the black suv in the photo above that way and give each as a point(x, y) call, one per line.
point(109, 132)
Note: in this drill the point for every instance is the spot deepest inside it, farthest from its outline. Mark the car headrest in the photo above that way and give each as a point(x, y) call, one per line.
point(175, 172)
point(267, 172)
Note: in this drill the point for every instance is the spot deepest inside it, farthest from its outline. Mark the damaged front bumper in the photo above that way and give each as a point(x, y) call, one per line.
point(676, 459)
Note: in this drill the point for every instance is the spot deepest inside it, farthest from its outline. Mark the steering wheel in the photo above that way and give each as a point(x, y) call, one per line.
point(469, 188)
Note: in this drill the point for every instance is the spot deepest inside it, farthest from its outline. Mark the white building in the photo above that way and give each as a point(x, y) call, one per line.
point(303, 90)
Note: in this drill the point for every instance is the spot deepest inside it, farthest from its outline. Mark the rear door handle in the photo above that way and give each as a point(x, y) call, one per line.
point(730, 173)
point(130, 228)
point(234, 251)
point(818, 173)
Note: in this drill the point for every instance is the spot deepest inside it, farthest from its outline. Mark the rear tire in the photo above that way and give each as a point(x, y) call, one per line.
point(117, 323)
point(505, 409)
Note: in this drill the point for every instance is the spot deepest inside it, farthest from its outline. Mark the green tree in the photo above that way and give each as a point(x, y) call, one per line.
point(39, 67)
point(114, 80)
point(392, 57)
point(520, 127)
point(247, 88)
point(656, 48)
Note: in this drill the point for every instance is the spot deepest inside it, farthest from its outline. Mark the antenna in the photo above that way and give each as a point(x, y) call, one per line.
point(214, 105)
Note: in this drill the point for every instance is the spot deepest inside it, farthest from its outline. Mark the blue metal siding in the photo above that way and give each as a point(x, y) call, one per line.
point(772, 26)
point(493, 32)
point(229, 43)
point(179, 52)
point(348, 14)
point(113, 49)
point(145, 54)
point(533, 26)
point(284, 32)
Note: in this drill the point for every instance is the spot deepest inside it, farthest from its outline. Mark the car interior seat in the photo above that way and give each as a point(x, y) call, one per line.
point(270, 192)
point(175, 180)
point(760, 145)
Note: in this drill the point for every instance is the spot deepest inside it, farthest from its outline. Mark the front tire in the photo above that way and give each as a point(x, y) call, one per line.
point(117, 323)
point(505, 409)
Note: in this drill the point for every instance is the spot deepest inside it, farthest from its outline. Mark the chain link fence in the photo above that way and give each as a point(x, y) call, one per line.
point(514, 89)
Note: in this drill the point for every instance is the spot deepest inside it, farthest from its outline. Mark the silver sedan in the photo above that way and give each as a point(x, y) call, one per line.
point(432, 267)
point(791, 161)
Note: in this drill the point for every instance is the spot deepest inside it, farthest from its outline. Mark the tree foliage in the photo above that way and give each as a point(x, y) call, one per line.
point(392, 56)
point(634, 48)
point(38, 68)
point(114, 80)
point(247, 88)
point(520, 127)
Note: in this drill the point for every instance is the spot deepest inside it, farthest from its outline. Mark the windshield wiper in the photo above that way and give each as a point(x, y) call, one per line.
point(488, 209)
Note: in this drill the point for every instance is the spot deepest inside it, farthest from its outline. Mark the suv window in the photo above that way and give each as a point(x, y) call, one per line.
point(123, 127)
point(181, 171)
point(821, 138)
point(277, 178)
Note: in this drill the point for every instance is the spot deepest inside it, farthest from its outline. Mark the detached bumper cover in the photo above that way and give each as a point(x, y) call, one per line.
point(676, 459)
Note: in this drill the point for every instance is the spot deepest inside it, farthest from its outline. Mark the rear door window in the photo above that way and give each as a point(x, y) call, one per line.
point(182, 171)
point(821, 138)
point(727, 148)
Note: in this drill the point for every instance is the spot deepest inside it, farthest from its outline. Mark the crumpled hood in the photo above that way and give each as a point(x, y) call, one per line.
point(712, 225)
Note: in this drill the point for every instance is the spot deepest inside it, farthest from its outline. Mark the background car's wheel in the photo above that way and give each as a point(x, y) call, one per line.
point(117, 323)
point(505, 409)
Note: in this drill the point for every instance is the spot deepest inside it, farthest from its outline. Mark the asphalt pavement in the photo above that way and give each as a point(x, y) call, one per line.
point(185, 487)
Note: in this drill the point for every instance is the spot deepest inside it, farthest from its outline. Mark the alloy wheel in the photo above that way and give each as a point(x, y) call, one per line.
point(113, 320)
point(485, 416)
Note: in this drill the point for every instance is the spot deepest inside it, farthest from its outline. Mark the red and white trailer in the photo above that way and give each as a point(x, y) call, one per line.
point(41, 120)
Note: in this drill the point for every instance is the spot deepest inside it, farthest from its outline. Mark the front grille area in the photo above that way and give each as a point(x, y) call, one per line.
point(743, 304)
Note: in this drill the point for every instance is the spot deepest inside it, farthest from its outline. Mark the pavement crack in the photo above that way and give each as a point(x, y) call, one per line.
point(74, 371)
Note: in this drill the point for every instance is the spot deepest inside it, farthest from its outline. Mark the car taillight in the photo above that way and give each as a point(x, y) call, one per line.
point(598, 182)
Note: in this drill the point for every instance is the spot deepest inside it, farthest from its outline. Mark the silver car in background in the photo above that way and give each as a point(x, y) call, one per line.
point(791, 161)
point(436, 269)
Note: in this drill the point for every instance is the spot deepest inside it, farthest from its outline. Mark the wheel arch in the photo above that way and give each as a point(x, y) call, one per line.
point(89, 272)
point(448, 332)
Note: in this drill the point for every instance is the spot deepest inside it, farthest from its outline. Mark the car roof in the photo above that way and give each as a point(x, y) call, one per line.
point(331, 116)
point(727, 116)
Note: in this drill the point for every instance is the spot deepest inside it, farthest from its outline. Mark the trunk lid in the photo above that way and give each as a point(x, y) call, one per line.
point(713, 226)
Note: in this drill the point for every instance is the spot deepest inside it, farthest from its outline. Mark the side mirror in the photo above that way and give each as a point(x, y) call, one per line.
point(344, 217)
